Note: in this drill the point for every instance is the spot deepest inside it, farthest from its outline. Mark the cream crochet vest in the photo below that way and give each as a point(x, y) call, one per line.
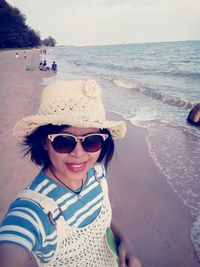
point(78, 247)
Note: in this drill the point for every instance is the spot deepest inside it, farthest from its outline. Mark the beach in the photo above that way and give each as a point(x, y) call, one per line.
point(144, 205)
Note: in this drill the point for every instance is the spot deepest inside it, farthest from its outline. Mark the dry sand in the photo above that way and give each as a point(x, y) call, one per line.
point(143, 203)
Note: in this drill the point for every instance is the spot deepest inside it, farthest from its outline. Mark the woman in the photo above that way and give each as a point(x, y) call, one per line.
point(63, 217)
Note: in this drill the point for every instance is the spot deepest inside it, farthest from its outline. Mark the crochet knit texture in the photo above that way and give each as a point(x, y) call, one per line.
point(79, 247)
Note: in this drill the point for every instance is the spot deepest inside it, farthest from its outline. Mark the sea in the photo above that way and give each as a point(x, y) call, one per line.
point(154, 86)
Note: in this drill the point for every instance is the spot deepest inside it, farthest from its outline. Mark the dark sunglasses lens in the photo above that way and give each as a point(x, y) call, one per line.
point(93, 143)
point(64, 144)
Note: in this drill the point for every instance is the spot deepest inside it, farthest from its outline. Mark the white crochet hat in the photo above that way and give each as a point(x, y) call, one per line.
point(74, 103)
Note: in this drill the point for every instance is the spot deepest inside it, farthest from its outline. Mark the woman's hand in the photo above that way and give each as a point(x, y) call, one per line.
point(126, 257)
point(125, 249)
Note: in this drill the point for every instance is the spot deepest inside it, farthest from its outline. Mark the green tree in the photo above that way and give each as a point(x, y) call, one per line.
point(50, 41)
point(14, 33)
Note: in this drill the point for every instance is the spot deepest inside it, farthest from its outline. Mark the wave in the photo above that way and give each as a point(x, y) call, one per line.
point(126, 84)
point(150, 92)
point(168, 99)
point(184, 74)
point(147, 70)
point(109, 66)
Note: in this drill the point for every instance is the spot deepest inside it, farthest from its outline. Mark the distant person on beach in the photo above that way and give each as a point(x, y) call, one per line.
point(17, 56)
point(25, 54)
point(64, 216)
point(44, 65)
point(41, 66)
point(194, 115)
point(54, 67)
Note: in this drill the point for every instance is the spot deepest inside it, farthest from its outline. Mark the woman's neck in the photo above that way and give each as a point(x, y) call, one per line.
point(73, 184)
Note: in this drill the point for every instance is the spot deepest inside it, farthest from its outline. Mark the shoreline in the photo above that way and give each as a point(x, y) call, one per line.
point(151, 214)
point(144, 205)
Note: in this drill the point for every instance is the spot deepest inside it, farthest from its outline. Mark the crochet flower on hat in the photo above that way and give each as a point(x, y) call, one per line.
point(92, 89)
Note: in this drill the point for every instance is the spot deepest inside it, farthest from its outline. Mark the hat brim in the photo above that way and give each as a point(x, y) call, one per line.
point(29, 124)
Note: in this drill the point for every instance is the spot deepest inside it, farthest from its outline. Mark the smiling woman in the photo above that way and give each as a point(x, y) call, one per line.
point(62, 217)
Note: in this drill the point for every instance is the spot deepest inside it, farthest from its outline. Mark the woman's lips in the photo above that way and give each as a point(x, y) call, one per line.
point(76, 167)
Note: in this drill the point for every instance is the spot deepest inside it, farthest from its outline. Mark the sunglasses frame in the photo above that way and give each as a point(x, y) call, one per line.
point(51, 137)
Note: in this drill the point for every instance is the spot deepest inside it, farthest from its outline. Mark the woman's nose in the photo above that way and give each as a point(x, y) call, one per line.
point(78, 150)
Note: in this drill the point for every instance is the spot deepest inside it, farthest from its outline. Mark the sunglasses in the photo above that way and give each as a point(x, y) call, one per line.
point(66, 143)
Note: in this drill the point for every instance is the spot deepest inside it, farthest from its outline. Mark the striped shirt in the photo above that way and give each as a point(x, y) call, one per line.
point(27, 225)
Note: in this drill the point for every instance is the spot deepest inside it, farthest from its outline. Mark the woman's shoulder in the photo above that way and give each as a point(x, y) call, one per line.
point(27, 209)
point(31, 207)
point(29, 212)
point(26, 225)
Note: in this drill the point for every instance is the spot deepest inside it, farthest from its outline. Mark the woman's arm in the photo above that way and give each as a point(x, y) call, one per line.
point(125, 250)
point(13, 256)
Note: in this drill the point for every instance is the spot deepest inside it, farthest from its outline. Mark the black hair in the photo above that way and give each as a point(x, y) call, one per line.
point(34, 145)
point(107, 150)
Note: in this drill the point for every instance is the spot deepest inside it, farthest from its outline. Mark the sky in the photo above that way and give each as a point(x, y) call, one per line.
point(102, 22)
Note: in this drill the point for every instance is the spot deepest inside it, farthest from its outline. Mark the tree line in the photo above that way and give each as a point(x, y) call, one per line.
point(15, 33)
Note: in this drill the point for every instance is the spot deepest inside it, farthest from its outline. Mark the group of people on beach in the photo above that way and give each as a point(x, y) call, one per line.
point(43, 51)
point(17, 56)
point(43, 66)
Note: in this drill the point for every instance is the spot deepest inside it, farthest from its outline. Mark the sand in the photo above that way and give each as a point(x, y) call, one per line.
point(144, 205)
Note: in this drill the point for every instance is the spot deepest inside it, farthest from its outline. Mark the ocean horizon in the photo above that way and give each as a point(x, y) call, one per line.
point(125, 43)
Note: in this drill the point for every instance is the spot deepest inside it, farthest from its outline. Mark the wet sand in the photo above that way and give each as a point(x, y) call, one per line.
point(143, 203)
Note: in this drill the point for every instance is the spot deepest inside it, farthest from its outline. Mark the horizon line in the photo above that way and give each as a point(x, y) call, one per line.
point(128, 43)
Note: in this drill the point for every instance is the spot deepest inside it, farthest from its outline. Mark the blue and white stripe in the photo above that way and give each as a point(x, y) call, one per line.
point(27, 225)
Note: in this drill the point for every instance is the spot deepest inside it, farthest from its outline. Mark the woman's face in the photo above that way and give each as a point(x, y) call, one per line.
point(73, 165)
